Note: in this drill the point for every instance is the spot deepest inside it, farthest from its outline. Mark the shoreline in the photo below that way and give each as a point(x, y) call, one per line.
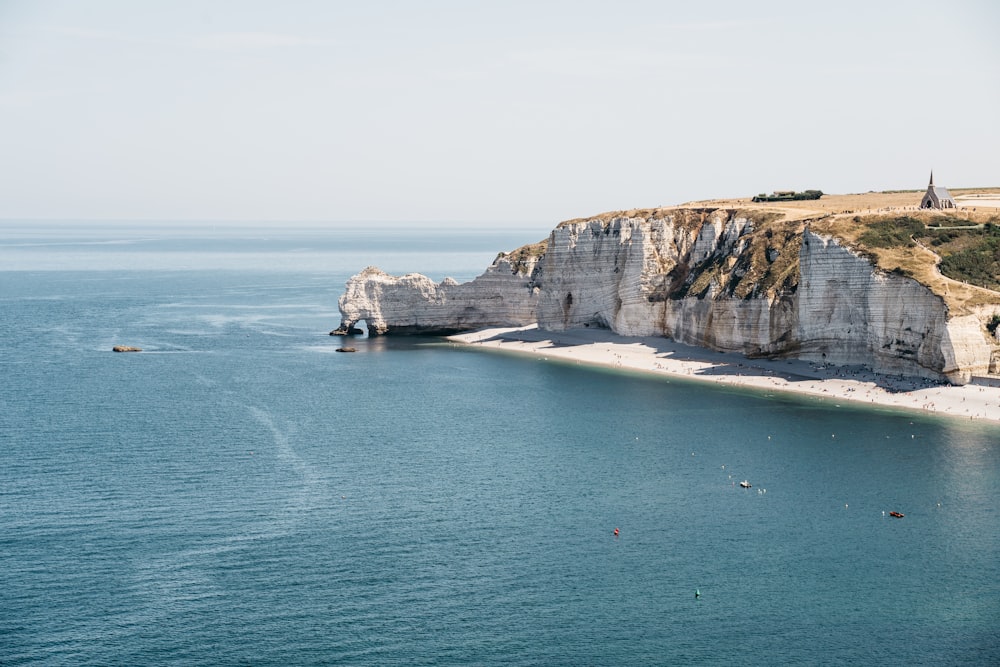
point(662, 357)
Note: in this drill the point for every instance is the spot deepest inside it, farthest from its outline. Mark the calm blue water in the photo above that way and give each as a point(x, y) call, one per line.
point(240, 494)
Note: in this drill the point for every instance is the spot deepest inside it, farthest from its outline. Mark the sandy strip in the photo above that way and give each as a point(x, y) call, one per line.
point(661, 356)
point(973, 200)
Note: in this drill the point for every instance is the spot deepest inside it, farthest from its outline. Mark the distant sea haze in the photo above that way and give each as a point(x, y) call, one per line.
point(240, 493)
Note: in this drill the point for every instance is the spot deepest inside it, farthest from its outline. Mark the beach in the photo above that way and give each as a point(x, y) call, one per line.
point(664, 357)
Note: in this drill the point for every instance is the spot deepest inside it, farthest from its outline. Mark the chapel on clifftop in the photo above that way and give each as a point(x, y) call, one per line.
point(937, 196)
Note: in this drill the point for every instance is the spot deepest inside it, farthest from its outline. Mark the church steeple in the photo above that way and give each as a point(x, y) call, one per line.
point(937, 197)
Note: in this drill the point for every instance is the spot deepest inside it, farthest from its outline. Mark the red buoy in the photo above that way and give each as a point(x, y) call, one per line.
point(616, 532)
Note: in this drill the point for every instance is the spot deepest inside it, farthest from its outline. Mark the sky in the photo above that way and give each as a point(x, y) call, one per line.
point(483, 112)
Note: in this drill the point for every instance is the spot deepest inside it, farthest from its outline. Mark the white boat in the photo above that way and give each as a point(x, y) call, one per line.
point(745, 484)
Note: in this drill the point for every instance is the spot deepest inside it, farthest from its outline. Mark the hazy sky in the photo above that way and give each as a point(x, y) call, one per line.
point(438, 110)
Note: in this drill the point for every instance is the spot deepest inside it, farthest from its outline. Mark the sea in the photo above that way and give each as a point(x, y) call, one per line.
point(239, 493)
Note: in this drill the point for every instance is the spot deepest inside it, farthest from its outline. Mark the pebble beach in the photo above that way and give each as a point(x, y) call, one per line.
point(664, 357)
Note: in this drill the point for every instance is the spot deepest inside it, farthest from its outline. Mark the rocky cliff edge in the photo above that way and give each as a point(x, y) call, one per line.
point(729, 279)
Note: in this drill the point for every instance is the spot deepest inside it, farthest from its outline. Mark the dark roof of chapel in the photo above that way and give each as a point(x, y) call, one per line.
point(941, 192)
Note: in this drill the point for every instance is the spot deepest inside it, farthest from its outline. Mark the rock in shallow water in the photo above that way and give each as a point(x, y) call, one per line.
point(347, 331)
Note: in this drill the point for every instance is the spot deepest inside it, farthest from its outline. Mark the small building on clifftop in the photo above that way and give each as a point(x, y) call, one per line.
point(937, 197)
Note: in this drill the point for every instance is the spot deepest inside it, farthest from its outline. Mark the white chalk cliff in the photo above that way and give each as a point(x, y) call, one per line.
point(415, 304)
point(729, 280)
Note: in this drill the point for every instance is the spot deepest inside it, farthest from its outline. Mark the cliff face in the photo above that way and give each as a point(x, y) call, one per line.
point(699, 277)
point(722, 279)
point(850, 312)
point(414, 304)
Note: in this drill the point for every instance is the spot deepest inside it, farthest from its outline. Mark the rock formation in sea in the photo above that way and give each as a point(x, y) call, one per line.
point(505, 295)
point(728, 279)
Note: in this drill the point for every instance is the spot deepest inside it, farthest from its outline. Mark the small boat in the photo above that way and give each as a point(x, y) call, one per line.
point(745, 484)
point(898, 515)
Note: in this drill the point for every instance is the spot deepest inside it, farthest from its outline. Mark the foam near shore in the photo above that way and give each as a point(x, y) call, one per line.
point(661, 356)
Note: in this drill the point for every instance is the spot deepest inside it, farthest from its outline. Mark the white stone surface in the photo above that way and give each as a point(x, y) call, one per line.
point(416, 304)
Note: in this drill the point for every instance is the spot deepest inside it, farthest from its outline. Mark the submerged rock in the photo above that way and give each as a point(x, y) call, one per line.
point(347, 331)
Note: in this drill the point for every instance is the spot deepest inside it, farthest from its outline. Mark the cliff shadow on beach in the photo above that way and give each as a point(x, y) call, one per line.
point(662, 355)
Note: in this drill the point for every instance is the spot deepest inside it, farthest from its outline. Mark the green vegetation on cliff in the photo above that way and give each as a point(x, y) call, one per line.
point(970, 255)
point(994, 322)
point(890, 232)
point(767, 265)
point(969, 249)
